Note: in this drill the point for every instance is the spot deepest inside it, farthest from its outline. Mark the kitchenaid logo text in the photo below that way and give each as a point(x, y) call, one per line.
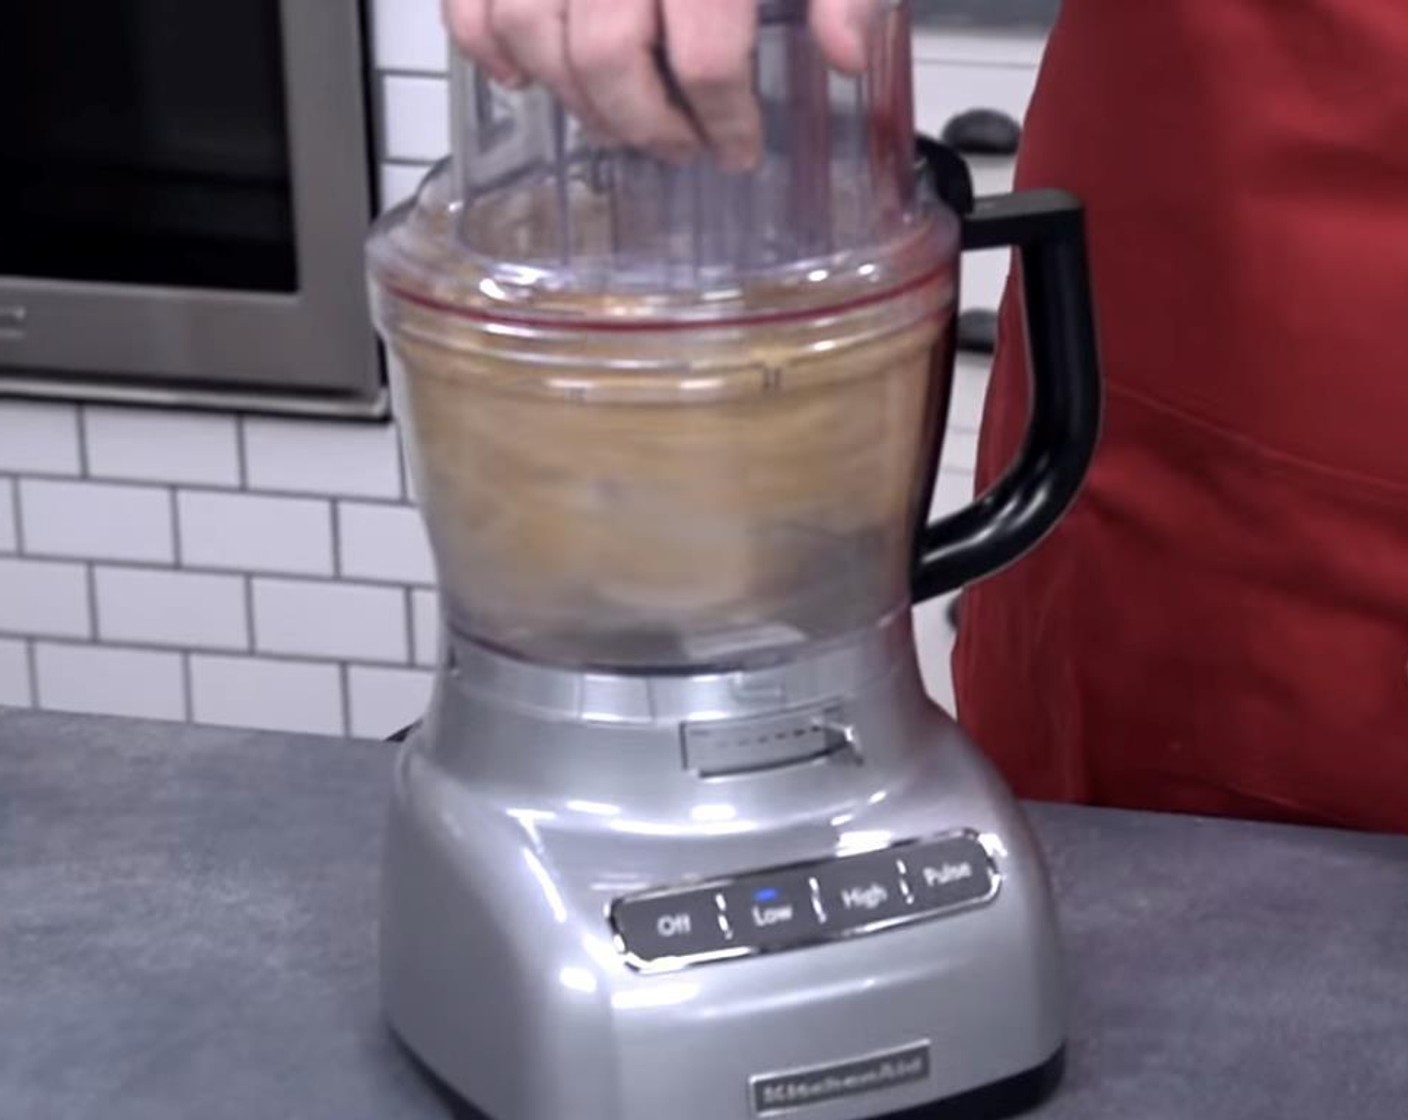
point(781, 1092)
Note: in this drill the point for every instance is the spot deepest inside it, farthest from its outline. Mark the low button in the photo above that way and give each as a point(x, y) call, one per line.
point(860, 891)
point(771, 911)
point(949, 873)
point(678, 925)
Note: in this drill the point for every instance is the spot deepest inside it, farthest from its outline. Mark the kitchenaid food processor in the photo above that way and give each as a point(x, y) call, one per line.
point(681, 834)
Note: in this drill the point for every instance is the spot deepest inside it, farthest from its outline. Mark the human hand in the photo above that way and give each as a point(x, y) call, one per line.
point(598, 57)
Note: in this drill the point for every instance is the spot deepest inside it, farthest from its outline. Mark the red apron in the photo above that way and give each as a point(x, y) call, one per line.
point(1221, 624)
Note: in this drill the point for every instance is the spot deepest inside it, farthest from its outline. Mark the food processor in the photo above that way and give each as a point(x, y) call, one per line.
point(681, 833)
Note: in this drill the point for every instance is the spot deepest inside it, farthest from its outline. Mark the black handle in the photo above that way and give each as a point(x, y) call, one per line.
point(983, 132)
point(1048, 227)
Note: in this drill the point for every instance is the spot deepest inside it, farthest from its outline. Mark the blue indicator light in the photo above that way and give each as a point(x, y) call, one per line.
point(767, 894)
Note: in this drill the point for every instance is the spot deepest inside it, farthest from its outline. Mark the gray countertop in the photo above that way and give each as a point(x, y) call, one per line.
point(187, 929)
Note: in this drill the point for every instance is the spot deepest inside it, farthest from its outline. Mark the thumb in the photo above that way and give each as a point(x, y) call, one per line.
point(844, 29)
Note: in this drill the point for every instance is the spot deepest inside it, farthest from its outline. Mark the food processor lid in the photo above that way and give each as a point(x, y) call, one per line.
point(529, 208)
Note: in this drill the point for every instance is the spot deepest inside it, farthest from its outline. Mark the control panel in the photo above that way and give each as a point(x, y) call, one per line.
point(789, 907)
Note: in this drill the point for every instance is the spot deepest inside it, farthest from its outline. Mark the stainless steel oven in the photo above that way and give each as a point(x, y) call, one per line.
point(184, 191)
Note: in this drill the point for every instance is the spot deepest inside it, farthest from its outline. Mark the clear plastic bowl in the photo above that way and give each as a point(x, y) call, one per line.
point(664, 417)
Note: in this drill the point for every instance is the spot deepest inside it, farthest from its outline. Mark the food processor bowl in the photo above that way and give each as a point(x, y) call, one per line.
point(667, 416)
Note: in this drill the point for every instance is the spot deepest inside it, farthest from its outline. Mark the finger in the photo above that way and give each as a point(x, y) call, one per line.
point(610, 47)
point(533, 33)
point(710, 47)
point(468, 24)
point(844, 29)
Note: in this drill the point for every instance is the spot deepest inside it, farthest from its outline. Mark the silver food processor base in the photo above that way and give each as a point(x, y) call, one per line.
point(795, 890)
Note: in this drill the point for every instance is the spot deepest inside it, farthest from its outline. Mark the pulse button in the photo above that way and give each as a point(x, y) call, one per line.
point(677, 925)
point(861, 891)
point(951, 873)
point(770, 911)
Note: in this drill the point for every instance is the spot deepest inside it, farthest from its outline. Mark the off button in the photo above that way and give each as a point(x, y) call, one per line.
point(678, 925)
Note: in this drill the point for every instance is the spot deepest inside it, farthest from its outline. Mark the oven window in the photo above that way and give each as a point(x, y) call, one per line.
point(146, 142)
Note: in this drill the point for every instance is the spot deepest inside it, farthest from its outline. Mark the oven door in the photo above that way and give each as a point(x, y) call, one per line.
point(184, 194)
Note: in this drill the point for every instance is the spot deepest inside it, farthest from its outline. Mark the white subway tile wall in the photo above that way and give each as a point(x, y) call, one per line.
point(395, 371)
point(108, 680)
point(970, 386)
point(15, 687)
point(316, 457)
point(952, 492)
point(9, 518)
point(407, 36)
point(266, 694)
point(425, 626)
point(142, 445)
point(383, 542)
point(255, 533)
point(385, 701)
point(39, 438)
point(934, 636)
point(40, 598)
point(185, 610)
point(960, 451)
point(415, 115)
point(338, 621)
point(97, 520)
point(399, 181)
point(173, 598)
